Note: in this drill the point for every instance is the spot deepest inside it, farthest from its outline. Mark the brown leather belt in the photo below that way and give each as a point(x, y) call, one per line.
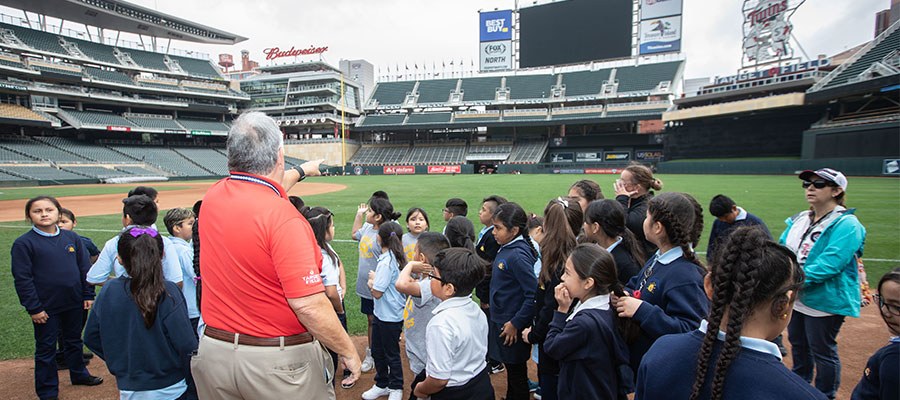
point(248, 340)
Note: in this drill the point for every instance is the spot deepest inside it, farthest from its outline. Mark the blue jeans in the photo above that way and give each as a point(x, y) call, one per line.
point(814, 345)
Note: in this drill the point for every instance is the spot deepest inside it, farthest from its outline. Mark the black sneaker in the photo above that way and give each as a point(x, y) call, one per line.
point(89, 381)
point(497, 367)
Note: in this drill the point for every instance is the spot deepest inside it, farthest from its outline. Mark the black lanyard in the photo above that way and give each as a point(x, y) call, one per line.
point(811, 227)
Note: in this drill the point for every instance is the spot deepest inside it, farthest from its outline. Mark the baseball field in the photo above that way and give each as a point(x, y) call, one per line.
point(772, 198)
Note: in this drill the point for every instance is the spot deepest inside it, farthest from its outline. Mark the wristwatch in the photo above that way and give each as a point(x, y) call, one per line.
point(302, 174)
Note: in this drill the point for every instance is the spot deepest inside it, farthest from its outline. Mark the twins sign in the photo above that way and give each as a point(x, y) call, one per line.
point(495, 25)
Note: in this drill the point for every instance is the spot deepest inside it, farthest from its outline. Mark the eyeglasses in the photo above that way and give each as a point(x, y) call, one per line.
point(430, 275)
point(819, 184)
point(887, 308)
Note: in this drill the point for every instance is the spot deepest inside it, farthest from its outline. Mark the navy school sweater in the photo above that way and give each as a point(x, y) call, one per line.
point(674, 302)
point(513, 284)
point(545, 306)
point(593, 357)
point(721, 230)
point(881, 378)
point(49, 272)
point(668, 371)
point(626, 266)
point(140, 358)
point(486, 248)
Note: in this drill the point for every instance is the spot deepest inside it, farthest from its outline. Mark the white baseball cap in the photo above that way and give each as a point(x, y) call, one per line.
point(827, 174)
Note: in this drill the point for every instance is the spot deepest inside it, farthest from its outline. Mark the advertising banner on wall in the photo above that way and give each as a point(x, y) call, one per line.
point(660, 8)
point(602, 171)
point(399, 170)
point(444, 169)
point(661, 35)
point(616, 156)
point(648, 155)
point(588, 156)
point(562, 157)
point(494, 56)
point(495, 25)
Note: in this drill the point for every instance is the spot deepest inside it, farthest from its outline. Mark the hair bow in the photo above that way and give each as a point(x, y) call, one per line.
point(143, 231)
point(563, 201)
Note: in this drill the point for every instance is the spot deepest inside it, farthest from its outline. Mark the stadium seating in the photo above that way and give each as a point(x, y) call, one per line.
point(5, 177)
point(43, 173)
point(196, 67)
point(155, 123)
point(96, 51)
point(585, 83)
point(8, 154)
point(11, 60)
point(380, 154)
point(383, 119)
point(96, 118)
point(530, 86)
point(39, 150)
point(147, 59)
point(95, 152)
point(208, 158)
point(164, 158)
point(436, 90)
point(489, 151)
point(55, 70)
point(203, 125)
point(645, 77)
point(109, 76)
point(94, 171)
point(391, 93)
point(15, 111)
point(37, 39)
point(138, 171)
point(429, 118)
point(890, 43)
point(437, 154)
point(480, 89)
point(527, 152)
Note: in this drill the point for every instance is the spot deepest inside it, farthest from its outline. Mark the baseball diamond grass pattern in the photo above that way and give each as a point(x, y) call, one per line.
point(772, 198)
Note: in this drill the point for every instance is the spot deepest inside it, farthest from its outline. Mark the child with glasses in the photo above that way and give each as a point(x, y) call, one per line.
point(456, 337)
point(881, 378)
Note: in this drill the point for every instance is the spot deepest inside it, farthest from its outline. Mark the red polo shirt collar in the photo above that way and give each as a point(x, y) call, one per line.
point(259, 180)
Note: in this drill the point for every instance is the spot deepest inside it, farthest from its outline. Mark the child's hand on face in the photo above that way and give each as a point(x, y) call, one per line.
point(562, 298)
point(419, 267)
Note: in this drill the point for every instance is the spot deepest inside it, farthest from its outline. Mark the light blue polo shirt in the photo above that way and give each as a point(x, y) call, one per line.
point(389, 308)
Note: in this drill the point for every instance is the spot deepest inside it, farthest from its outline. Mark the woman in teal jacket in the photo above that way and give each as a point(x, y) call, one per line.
point(827, 240)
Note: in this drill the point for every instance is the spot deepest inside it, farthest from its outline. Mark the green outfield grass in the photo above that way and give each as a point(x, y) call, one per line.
point(772, 198)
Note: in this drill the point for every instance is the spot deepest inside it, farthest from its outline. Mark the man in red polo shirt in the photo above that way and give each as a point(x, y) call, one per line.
point(263, 300)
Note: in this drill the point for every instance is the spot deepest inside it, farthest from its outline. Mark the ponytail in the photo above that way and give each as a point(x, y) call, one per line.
point(460, 232)
point(589, 260)
point(678, 213)
point(195, 243)
point(141, 251)
point(390, 234)
point(562, 222)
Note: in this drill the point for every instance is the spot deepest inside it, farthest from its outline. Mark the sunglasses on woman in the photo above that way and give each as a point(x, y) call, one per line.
point(819, 184)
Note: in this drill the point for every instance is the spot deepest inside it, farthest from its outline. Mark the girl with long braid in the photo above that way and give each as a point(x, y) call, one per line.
point(667, 294)
point(512, 297)
point(753, 285)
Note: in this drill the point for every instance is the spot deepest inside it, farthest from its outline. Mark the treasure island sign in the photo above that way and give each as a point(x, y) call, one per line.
point(275, 52)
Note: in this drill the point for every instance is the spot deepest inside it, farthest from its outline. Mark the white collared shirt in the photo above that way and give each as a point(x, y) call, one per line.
point(614, 245)
point(760, 345)
point(456, 341)
point(600, 302)
point(742, 214)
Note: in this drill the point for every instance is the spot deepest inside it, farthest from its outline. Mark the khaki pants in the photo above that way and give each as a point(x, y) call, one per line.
point(224, 370)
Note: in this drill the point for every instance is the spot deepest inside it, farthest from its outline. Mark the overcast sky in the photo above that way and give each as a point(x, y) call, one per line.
point(390, 32)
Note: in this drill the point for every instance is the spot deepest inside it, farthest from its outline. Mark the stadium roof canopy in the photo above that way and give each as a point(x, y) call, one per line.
point(126, 17)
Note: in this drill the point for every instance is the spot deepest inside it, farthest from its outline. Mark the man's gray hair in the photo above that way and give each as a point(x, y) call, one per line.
point(253, 144)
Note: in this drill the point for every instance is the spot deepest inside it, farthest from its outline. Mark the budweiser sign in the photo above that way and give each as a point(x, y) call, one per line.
point(275, 52)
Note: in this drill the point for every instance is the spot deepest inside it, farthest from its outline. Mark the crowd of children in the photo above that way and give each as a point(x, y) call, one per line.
point(611, 294)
